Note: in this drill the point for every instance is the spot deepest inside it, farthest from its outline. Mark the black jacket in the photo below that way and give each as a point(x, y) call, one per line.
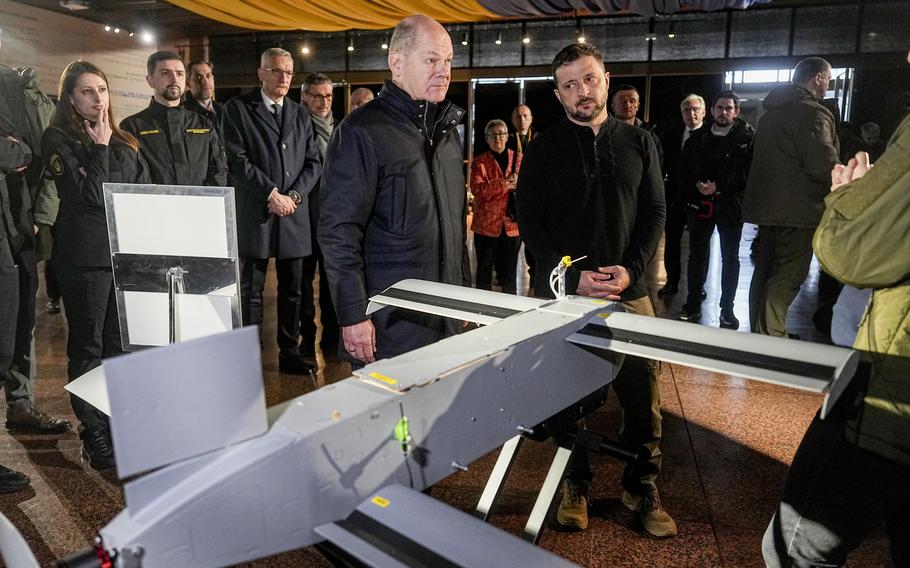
point(671, 141)
point(80, 234)
point(393, 206)
point(14, 194)
point(725, 160)
point(263, 155)
point(795, 149)
point(598, 196)
point(215, 116)
point(180, 147)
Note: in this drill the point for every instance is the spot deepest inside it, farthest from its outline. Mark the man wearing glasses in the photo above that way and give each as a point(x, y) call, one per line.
point(275, 165)
point(316, 96)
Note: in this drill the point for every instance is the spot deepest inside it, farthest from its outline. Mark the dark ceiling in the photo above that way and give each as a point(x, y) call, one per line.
point(162, 17)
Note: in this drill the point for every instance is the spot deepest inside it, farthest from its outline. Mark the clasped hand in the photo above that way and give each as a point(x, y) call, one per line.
point(281, 205)
point(605, 282)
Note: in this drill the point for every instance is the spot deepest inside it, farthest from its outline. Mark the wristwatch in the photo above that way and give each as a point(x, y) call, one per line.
point(295, 196)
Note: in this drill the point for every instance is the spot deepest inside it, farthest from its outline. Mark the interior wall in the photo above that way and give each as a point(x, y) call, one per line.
point(48, 42)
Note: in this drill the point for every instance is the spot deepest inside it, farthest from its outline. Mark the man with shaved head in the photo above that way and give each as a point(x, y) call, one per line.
point(393, 200)
point(360, 97)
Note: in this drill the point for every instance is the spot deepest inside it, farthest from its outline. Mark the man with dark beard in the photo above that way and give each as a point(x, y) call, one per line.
point(713, 173)
point(180, 146)
point(591, 186)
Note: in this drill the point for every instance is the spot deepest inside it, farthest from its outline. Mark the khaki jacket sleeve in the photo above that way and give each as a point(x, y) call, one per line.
point(864, 235)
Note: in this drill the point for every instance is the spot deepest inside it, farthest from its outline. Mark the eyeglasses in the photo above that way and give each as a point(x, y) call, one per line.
point(321, 98)
point(280, 72)
point(498, 135)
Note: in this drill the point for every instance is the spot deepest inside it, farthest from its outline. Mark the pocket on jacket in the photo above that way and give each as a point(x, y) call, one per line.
point(392, 204)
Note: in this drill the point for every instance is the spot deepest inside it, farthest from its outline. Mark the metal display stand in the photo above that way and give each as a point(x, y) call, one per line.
point(175, 261)
point(561, 428)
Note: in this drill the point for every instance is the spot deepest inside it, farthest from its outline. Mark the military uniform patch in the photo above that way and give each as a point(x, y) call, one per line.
point(56, 165)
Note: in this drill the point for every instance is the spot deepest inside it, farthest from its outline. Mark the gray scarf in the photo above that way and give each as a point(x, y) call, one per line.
point(323, 128)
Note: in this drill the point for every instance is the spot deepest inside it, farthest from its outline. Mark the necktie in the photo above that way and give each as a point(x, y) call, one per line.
point(276, 113)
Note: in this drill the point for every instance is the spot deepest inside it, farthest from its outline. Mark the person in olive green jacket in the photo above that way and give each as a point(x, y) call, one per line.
point(851, 471)
point(794, 149)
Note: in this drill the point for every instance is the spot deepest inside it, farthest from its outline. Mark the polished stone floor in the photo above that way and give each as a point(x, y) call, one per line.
point(727, 444)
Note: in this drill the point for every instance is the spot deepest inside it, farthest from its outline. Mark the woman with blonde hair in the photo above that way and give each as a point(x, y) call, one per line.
point(84, 148)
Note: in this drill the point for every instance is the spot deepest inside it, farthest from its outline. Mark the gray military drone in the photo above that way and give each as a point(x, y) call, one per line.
point(345, 464)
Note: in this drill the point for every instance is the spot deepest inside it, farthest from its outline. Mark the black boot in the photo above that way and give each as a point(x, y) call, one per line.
point(98, 449)
point(12, 480)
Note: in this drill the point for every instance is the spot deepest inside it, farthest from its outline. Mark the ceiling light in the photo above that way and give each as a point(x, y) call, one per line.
point(305, 50)
point(526, 40)
point(147, 37)
point(671, 33)
point(116, 30)
point(132, 34)
point(351, 46)
point(75, 4)
point(107, 28)
point(498, 39)
point(650, 36)
point(385, 44)
point(464, 39)
point(581, 37)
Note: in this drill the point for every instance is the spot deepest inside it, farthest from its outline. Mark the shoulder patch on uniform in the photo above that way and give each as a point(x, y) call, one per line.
point(147, 132)
point(56, 164)
point(198, 130)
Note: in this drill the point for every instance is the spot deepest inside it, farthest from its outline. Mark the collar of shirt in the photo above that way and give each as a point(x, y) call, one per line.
point(269, 102)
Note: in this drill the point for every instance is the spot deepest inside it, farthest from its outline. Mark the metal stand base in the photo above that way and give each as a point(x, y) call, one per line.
point(567, 443)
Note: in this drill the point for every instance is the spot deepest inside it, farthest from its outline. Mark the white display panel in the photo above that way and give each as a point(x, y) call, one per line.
point(176, 225)
point(159, 231)
point(198, 315)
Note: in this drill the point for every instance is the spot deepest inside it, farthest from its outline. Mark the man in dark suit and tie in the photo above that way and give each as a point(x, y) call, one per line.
point(201, 98)
point(274, 164)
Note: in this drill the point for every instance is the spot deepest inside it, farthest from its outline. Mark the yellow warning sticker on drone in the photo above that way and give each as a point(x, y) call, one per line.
point(383, 378)
point(381, 501)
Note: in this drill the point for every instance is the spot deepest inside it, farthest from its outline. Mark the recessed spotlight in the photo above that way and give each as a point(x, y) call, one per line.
point(147, 37)
point(464, 39)
point(116, 30)
point(305, 50)
point(132, 34)
point(526, 40)
point(498, 39)
point(107, 28)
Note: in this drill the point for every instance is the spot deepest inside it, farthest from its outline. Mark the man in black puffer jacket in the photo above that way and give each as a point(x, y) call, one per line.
point(393, 200)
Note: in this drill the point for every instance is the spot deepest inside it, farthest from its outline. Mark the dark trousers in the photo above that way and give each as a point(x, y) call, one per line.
point(327, 316)
point(637, 387)
point(781, 265)
point(836, 494)
point(50, 283)
point(290, 276)
point(15, 368)
point(501, 252)
point(675, 225)
point(22, 367)
point(700, 231)
point(93, 329)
